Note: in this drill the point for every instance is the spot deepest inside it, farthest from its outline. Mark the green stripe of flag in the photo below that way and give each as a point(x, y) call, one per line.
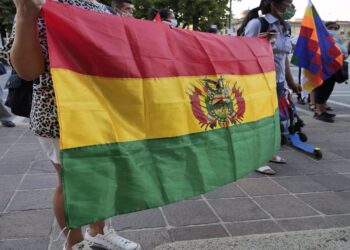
point(118, 178)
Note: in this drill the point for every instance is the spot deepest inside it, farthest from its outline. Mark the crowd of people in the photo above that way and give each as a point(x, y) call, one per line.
point(28, 53)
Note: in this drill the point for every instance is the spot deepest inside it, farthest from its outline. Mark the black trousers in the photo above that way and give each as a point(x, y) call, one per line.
point(323, 92)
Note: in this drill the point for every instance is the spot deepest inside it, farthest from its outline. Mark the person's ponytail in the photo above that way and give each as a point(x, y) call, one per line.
point(254, 13)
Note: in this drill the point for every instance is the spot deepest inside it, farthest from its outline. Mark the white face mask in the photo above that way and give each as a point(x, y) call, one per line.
point(173, 22)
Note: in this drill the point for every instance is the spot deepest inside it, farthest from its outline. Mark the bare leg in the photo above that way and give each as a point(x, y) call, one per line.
point(75, 235)
point(96, 228)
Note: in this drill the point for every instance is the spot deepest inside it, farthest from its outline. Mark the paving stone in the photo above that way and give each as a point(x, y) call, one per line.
point(25, 244)
point(335, 182)
point(189, 213)
point(254, 175)
point(314, 169)
point(13, 167)
point(284, 170)
point(19, 155)
point(259, 187)
point(228, 191)
point(9, 182)
point(284, 206)
point(40, 156)
point(148, 239)
point(8, 139)
point(25, 147)
point(197, 232)
point(29, 139)
point(33, 199)
point(253, 227)
point(347, 175)
point(298, 224)
point(151, 218)
point(338, 221)
point(340, 166)
point(42, 167)
point(25, 224)
point(4, 199)
point(11, 132)
point(240, 209)
point(4, 148)
point(199, 197)
point(300, 184)
point(320, 222)
point(39, 181)
point(328, 156)
point(328, 203)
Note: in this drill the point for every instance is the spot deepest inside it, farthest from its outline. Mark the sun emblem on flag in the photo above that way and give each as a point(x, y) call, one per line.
point(217, 103)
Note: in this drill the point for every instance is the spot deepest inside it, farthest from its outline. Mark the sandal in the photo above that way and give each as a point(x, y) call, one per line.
point(278, 159)
point(312, 107)
point(265, 170)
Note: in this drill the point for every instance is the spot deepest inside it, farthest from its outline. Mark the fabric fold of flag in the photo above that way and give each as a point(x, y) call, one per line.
point(316, 51)
point(151, 115)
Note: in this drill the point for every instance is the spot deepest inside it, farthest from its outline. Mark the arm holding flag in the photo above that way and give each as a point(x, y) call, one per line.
point(26, 55)
point(289, 79)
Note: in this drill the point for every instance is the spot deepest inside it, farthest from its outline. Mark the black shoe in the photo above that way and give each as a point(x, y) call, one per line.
point(330, 115)
point(323, 117)
point(301, 101)
point(8, 124)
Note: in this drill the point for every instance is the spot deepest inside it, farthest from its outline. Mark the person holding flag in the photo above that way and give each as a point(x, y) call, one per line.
point(319, 55)
point(274, 26)
point(323, 92)
point(27, 50)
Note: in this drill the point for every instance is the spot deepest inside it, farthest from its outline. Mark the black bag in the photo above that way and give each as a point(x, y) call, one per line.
point(19, 98)
point(2, 69)
point(342, 75)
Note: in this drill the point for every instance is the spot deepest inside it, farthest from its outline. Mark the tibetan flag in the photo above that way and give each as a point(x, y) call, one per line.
point(316, 51)
point(151, 115)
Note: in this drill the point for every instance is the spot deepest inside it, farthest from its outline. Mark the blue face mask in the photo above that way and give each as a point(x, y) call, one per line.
point(333, 33)
point(173, 22)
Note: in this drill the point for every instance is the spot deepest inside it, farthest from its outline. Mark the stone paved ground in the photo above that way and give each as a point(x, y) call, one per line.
point(305, 194)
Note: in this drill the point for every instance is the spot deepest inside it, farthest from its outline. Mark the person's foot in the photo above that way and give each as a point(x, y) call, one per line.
point(323, 117)
point(328, 108)
point(330, 115)
point(8, 124)
point(265, 170)
point(278, 159)
point(84, 245)
point(111, 240)
point(312, 107)
point(301, 101)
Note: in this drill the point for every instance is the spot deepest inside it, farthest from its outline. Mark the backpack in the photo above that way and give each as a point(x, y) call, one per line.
point(19, 98)
point(265, 26)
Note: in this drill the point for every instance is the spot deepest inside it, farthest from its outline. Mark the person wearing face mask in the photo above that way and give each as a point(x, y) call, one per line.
point(166, 16)
point(323, 92)
point(273, 25)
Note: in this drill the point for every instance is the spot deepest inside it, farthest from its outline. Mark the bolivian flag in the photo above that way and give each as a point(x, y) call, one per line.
point(151, 115)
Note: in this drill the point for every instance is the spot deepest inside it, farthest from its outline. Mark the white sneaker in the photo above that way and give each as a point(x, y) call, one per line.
point(110, 240)
point(83, 245)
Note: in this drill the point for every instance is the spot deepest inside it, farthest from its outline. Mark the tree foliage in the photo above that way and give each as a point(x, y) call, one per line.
point(198, 14)
point(8, 11)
